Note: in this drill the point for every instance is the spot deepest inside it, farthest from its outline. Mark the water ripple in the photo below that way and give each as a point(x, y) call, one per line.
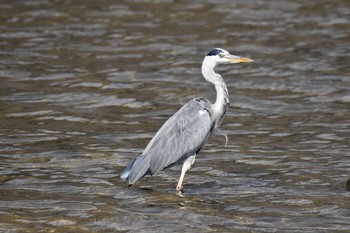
point(85, 86)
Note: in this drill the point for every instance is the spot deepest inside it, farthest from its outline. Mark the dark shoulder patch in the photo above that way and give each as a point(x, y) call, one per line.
point(207, 109)
point(199, 99)
point(214, 52)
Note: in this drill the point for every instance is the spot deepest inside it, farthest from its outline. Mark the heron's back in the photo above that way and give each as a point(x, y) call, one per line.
point(181, 136)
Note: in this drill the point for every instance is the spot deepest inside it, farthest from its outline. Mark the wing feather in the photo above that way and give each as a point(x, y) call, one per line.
point(181, 136)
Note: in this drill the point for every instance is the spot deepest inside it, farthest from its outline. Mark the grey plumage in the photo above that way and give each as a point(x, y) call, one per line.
point(183, 135)
point(174, 138)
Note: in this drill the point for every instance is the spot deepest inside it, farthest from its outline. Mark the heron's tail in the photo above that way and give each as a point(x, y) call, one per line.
point(136, 170)
point(125, 174)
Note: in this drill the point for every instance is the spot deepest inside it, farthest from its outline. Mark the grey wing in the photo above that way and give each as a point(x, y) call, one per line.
point(181, 136)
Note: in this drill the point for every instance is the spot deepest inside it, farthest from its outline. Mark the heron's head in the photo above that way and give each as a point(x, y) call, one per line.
point(221, 56)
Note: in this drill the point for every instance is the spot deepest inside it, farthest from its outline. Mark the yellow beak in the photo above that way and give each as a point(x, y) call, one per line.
point(244, 59)
point(236, 59)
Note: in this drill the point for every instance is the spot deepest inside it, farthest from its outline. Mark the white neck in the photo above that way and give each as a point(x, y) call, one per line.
point(222, 97)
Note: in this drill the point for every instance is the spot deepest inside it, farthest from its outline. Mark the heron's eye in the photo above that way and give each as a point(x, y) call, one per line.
point(221, 55)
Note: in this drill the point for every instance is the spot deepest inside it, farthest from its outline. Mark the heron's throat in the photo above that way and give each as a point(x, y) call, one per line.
point(222, 97)
point(222, 101)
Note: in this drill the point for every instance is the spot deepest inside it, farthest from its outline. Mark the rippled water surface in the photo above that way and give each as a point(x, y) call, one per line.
point(86, 84)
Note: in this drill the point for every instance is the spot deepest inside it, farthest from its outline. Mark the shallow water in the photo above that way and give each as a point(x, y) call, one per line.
point(85, 85)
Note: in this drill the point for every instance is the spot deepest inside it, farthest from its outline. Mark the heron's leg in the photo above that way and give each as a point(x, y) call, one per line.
point(186, 166)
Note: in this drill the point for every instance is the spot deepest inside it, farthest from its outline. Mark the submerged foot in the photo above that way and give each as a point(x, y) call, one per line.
point(179, 190)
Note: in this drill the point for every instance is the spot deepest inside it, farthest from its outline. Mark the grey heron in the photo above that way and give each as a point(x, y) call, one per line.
point(184, 134)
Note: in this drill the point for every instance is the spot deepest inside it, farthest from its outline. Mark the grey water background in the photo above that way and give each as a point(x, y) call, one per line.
point(86, 84)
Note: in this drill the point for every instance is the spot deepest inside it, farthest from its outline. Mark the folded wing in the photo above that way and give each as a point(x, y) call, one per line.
point(181, 136)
